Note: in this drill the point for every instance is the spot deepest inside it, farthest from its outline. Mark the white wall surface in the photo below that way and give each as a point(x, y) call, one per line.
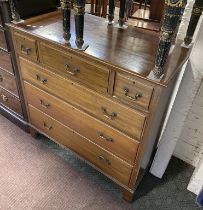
point(190, 144)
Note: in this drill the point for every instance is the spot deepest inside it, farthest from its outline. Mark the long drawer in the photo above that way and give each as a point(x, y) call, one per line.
point(5, 61)
point(8, 82)
point(104, 160)
point(127, 120)
point(70, 66)
point(107, 137)
point(10, 101)
point(3, 43)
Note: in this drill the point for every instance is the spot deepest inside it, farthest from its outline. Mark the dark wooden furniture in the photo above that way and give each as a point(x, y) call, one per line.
point(99, 8)
point(11, 98)
point(99, 103)
point(156, 10)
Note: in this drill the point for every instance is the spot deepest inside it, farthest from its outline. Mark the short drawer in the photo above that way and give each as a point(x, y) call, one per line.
point(132, 92)
point(10, 101)
point(8, 82)
point(69, 66)
point(98, 132)
point(104, 160)
point(3, 42)
point(121, 117)
point(26, 46)
point(5, 61)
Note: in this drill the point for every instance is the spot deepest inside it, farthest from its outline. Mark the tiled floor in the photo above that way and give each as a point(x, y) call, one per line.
point(168, 193)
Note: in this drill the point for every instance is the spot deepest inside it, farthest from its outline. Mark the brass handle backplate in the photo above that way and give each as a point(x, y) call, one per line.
point(25, 50)
point(44, 105)
point(102, 136)
point(136, 97)
point(4, 98)
point(111, 116)
point(48, 127)
point(74, 72)
point(1, 78)
point(40, 79)
point(104, 160)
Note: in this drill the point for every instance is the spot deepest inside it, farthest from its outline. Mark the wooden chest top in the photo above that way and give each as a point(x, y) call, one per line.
point(132, 50)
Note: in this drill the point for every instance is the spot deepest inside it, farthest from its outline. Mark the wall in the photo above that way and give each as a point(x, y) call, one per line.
point(189, 147)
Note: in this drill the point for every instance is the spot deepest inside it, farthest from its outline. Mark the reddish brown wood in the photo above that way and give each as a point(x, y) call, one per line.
point(128, 57)
point(133, 50)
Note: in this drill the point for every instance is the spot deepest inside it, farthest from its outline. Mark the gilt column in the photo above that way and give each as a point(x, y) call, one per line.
point(196, 13)
point(79, 11)
point(173, 13)
point(66, 13)
point(14, 12)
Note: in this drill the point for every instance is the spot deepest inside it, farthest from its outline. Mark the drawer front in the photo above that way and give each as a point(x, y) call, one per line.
point(3, 43)
point(104, 160)
point(107, 137)
point(75, 68)
point(132, 91)
point(26, 46)
point(5, 61)
point(10, 101)
point(8, 82)
point(126, 120)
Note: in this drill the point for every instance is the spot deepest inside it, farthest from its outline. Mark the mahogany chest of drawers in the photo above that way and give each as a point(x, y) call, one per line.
point(11, 97)
point(98, 103)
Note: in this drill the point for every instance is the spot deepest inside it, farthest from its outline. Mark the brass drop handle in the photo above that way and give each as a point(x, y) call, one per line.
point(104, 160)
point(102, 136)
point(1, 78)
point(136, 97)
point(47, 126)
point(44, 105)
point(25, 50)
point(74, 72)
point(4, 98)
point(66, 65)
point(111, 116)
point(42, 80)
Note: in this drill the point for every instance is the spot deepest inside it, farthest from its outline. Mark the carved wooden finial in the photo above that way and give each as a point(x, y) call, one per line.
point(66, 13)
point(196, 13)
point(173, 12)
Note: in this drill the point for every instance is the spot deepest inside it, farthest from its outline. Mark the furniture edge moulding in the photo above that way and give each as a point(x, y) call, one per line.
point(19, 78)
